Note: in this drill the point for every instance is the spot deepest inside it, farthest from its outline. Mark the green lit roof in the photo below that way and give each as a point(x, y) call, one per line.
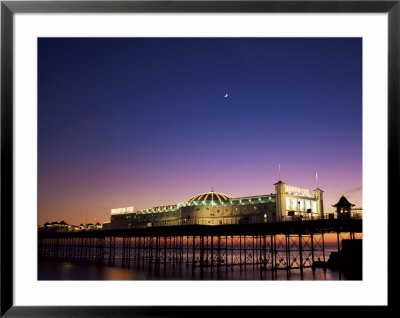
point(211, 196)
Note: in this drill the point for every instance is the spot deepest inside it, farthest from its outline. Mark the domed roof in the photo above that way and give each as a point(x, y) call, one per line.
point(211, 196)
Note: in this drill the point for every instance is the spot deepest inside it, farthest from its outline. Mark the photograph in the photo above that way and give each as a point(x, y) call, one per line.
point(200, 158)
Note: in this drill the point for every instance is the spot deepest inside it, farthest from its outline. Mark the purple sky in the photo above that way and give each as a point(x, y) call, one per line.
point(144, 122)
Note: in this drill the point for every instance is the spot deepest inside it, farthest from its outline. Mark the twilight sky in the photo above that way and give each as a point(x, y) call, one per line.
point(144, 122)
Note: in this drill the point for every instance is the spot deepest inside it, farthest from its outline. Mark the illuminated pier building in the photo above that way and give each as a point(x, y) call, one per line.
point(214, 208)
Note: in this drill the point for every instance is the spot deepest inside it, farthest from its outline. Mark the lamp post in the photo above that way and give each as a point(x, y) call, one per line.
point(298, 209)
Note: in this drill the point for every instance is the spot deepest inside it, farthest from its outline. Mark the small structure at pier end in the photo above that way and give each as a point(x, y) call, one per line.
point(288, 203)
point(345, 209)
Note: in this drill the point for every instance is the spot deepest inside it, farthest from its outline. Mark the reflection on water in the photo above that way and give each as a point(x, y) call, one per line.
point(67, 270)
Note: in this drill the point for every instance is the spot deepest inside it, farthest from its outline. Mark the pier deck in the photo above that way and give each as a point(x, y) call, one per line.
point(290, 227)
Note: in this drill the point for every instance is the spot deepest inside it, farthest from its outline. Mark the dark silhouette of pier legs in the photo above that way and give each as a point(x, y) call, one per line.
point(301, 254)
point(312, 251)
point(273, 251)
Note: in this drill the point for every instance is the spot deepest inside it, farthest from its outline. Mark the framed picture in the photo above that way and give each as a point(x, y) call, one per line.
point(160, 155)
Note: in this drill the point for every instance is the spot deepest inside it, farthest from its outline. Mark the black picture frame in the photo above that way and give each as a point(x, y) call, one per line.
point(9, 8)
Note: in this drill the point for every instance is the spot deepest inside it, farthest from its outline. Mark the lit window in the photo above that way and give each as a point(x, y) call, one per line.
point(294, 204)
point(314, 206)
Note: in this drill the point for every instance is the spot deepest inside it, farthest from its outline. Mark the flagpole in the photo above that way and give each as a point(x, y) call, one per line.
point(279, 171)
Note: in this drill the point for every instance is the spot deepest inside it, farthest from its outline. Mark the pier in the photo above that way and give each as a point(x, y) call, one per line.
point(262, 246)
